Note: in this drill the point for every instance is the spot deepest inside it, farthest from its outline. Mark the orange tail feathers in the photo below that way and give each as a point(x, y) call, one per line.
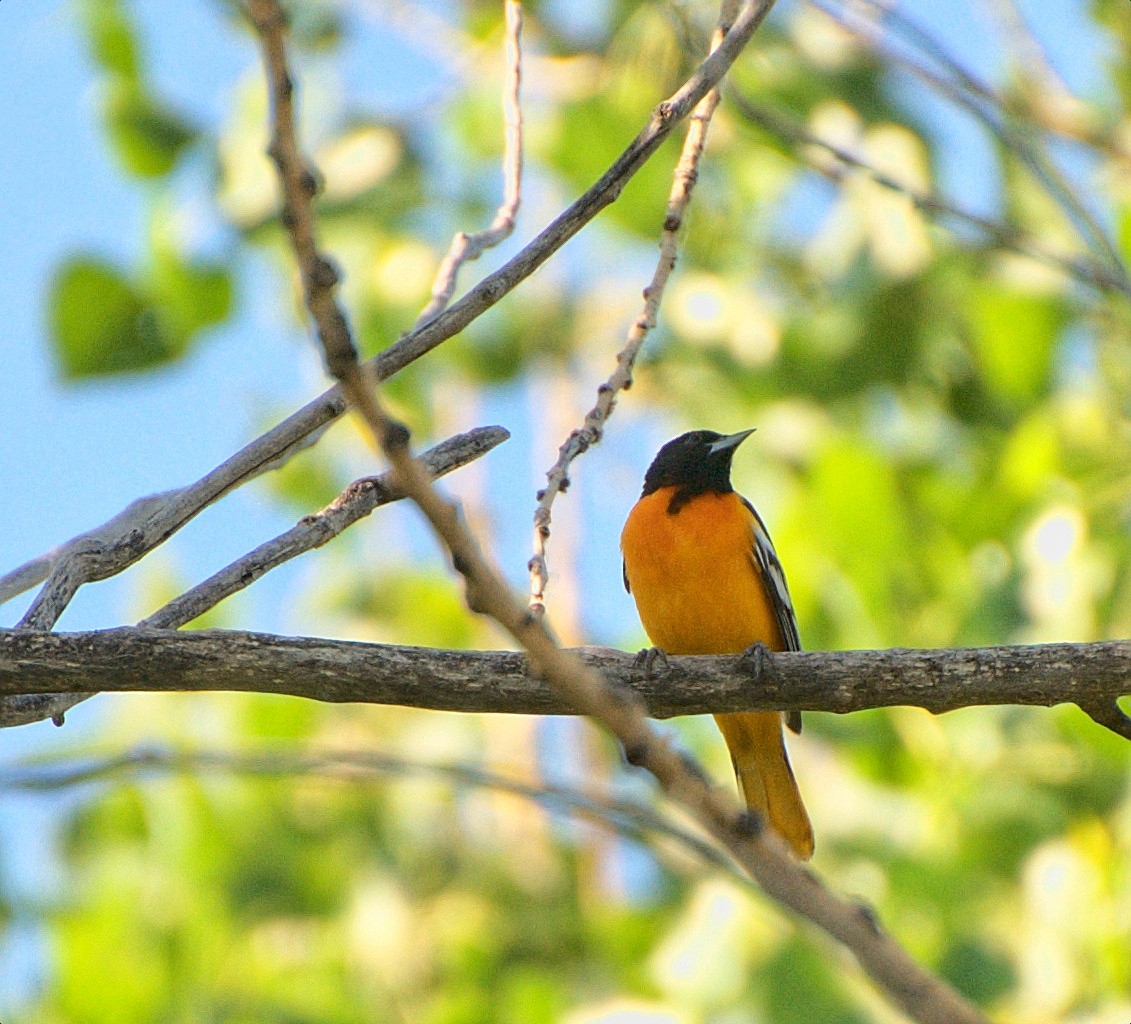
point(757, 750)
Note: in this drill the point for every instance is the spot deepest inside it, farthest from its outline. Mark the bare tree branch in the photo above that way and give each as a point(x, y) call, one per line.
point(592, 430)
point(113, 547)
point(963, 89)
point(1106, 712)
point(357, 501)
point(465, 247)
point(1081, 267)
point(627, 817)
point(134, 659)
point(760, 852)
point(354, 503)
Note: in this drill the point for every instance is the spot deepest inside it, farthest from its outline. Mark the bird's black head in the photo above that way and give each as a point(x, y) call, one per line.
point(694, 463)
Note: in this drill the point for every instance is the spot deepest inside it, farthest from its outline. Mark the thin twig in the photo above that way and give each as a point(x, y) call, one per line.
point(1032, 59)
point(1110, 715)
point(133, 659)
point(762, 854)
point(354, 503)
point(593, 428)
point(465, 247)
point(963, 90)
point(1029, 55)
point(1083, 268)
point(626, 817)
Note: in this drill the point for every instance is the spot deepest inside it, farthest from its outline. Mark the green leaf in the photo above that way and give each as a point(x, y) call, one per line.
point(977, 971)
point(315, 26)
point(147, 136)
point(101, 323)
point(112, 39)
point(191, 295)
point(1015, 335)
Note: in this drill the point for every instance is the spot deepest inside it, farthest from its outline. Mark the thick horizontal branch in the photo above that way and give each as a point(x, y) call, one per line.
point(133, 659)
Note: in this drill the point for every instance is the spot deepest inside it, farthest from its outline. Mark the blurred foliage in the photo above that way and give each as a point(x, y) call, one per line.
point(105, 320)
point(942, 455)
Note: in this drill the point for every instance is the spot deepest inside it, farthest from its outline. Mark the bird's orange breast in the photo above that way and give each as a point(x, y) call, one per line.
point(693, 575)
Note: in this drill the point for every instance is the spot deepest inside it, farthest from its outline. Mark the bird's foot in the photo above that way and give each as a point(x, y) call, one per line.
point(757, 663)
point(755, 660)
point(653, 661)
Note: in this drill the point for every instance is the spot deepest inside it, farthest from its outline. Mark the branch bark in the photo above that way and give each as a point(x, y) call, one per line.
point(357, 501)
point(133, 659)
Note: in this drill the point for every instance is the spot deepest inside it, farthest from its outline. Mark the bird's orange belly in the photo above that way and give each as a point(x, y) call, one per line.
point(693, 575)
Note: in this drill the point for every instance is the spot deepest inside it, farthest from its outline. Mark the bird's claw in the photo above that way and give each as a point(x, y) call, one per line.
point(755, 660)
point(648, 659)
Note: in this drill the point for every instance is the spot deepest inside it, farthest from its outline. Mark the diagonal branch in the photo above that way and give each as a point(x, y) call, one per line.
point(764, 856)
point(592, 430)
point(965, 91)
point(1082, 267)
point(354, 503)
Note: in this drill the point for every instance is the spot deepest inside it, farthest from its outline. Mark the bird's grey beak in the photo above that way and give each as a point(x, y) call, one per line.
point(730, 441)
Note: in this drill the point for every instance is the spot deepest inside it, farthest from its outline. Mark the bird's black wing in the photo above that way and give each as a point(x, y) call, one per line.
point(773, 575)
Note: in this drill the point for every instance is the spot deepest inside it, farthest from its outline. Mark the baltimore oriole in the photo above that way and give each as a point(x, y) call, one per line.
point(706, 580)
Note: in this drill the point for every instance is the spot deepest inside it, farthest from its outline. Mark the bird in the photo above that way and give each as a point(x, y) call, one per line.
point(700, 565)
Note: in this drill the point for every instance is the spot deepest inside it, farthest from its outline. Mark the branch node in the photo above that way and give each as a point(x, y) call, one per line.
point(323, 273)
point(748, 825)
point(870, 918)
point(396, 438)
point(310, 184)
point(636, 752)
